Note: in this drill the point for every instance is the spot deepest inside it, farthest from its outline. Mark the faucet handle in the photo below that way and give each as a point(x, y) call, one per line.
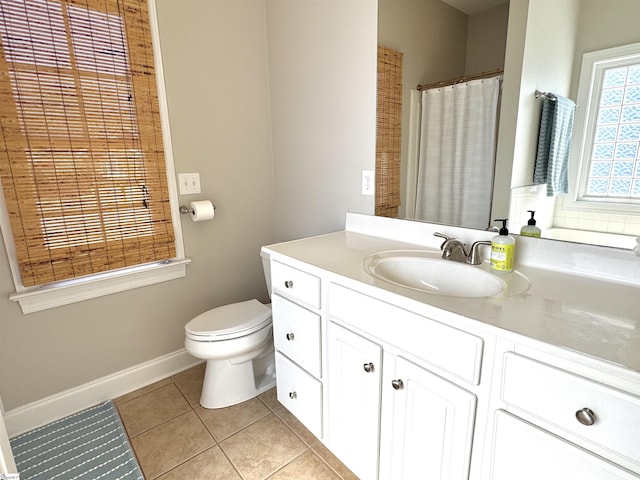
point(474, 257)
point(442, 235)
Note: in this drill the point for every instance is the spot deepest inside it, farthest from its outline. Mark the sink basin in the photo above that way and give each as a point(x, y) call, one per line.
point(428, 272)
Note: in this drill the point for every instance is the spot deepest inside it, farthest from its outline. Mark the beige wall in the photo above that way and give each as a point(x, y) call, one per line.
point(438, 43)
point(486, 40)
point(322, 61)
point(600, 28)
point(217, 78)
point(432, 37)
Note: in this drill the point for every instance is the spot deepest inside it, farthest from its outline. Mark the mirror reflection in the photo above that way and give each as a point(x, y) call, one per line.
point(538, 51)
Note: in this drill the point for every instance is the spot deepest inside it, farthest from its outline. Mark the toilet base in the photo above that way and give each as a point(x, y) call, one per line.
point(227, 384)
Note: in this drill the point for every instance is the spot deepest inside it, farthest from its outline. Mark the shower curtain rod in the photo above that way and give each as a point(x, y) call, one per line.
point(466, 78)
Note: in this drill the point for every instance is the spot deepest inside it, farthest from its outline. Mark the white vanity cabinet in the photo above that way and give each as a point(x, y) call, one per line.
point(391, 418)
point(559, 424)
point(296, 331)
point(403, 385)
point(354, 380)
point(526, 452)
point(429, 421)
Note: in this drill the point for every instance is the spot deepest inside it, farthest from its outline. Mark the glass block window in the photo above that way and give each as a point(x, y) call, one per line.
point(614, 169)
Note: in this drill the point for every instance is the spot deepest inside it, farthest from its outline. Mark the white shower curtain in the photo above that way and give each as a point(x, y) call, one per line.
point(457, 153)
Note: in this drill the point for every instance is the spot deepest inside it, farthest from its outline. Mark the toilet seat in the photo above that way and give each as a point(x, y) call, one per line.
point(229, 321)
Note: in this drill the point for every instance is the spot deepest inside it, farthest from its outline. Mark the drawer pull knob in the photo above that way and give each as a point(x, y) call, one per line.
point(293, 395)
point(290, 337)
point(288, 284)
point(368, 367)
point(397, 384)
point(586, 416)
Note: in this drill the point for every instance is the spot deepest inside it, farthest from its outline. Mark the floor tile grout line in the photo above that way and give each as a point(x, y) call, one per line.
point(217, 443)
point(234, 433)
point(175, 416)
point(287, 464)
point(340, 477)
point(184, 461)
point(159, 424)
point(231, 462)
point(118, 402)
point(273, 407)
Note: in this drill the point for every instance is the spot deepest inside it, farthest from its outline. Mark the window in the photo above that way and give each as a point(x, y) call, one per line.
point(609, 160)
point(82, 160)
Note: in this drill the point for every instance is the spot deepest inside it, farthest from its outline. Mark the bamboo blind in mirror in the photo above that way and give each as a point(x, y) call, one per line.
point(388, 132)
point(82, 161)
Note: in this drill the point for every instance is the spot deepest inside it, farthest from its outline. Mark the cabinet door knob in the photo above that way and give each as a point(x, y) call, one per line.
point(397, 384)
point(368, 367)
point(290, 336)
point(293, 395)
point(288, 284)
point(586, 416)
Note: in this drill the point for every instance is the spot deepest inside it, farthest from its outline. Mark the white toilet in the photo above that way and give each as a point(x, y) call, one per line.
point(236, 340)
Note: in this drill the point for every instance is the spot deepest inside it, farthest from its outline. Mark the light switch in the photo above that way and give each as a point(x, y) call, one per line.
point(189, 183)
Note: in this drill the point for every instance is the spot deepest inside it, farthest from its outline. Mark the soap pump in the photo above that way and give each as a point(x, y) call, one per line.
point(502, 248)
point(530, 229)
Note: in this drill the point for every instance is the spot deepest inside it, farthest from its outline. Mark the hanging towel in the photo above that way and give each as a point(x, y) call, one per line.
point(554, 143)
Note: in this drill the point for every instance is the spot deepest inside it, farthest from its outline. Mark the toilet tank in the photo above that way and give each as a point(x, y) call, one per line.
point(266, 267)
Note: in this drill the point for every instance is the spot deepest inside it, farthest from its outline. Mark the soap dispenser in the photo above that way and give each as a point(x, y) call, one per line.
point(502, 249)
point(530, 229)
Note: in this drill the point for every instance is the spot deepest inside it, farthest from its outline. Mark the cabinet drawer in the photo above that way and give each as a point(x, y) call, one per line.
point(451, 350)
point(295, 284)
point(556, 397)
point(296, 333)
point(300, 393)
point(524, 452)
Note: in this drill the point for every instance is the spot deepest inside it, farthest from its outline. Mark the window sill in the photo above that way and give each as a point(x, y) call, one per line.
point(63, 293)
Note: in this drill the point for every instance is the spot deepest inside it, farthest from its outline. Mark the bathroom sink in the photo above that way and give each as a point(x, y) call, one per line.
point(428, 272)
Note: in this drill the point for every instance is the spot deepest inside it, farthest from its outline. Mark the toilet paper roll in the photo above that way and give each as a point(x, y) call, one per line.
point(202, 210)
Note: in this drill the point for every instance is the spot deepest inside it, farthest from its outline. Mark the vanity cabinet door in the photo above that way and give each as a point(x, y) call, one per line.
point(526, 452)
point(430, 423)
point(355, 370)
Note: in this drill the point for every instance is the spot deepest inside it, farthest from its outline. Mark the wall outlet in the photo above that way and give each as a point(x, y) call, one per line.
point(368, 182)
point(189, 183)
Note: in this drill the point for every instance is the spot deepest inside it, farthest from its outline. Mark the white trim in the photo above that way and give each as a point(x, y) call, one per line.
point(7, 462)
point(46, 410)
point(166, 130)
point(92, 286)
point(589, 86)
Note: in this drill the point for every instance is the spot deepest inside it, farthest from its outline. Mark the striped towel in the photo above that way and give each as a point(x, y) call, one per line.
point(88, 445)
point(554, 144)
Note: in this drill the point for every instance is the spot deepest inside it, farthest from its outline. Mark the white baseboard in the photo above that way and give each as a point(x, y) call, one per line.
point(46, 410)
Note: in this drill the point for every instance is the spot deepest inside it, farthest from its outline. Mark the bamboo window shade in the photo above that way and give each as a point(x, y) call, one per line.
point(81, 162)
point(388, 132)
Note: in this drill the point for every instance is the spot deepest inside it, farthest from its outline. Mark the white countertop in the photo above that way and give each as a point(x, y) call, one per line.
point(594, 317)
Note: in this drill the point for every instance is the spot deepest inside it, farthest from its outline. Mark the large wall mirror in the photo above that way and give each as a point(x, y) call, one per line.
point(540, 45)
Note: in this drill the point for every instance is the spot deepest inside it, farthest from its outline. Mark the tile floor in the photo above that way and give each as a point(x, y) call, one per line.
point(175, 438)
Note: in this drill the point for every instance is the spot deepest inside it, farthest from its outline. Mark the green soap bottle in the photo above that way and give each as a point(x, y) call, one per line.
point(530, 230)
point(502, 249)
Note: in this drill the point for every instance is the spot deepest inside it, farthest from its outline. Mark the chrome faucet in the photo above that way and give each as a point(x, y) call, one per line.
point(453, 249)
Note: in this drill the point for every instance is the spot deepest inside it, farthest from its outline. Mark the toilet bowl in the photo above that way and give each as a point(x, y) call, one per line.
point(236, 340)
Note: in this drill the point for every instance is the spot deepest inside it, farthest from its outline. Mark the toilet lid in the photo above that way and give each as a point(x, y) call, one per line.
point(229, 321)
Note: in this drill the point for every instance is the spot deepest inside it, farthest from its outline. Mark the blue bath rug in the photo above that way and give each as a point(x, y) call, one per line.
point(88, 445)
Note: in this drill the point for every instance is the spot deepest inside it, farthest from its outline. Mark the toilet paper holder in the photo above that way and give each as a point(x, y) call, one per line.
point(184, 209)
